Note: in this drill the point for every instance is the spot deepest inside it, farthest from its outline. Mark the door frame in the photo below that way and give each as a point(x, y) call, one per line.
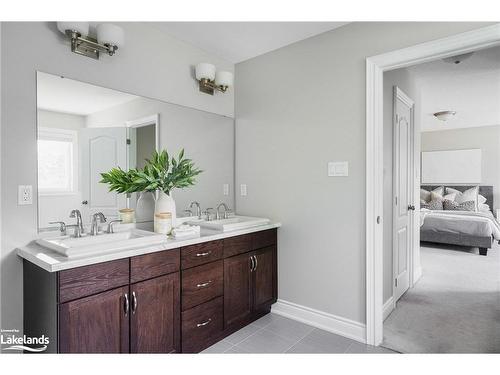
point(375, 67)
point(401, 95)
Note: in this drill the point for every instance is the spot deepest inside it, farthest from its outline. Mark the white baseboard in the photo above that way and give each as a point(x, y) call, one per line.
point(388, 307)
point(417, 274)
point(319, 319)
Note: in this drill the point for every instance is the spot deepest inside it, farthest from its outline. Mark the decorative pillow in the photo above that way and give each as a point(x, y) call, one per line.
point(455, 206)
point(468, 195)
point(436, 204)
point(481, 199)
point(426, 195)
point(450, 197)
point(484, 207)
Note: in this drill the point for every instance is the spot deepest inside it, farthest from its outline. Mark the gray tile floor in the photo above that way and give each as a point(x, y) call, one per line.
point(276, 334)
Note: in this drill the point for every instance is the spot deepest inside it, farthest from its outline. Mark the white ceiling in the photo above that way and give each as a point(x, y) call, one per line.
point(471, 88)
point(239, 41)
point(59, 94)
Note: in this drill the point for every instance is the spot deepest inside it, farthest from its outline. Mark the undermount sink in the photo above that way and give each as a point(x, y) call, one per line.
point(232, 223)
point(106, 242)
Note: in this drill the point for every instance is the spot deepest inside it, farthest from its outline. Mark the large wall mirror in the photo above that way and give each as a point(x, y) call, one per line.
point(85, 130)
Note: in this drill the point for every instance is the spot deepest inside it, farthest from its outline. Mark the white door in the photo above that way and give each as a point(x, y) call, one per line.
point(403, 185)
point(101, 149)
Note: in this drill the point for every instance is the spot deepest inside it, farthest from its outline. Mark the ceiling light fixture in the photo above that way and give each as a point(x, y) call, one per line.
point(444, 115)
point(109, 38)
point(209, 80)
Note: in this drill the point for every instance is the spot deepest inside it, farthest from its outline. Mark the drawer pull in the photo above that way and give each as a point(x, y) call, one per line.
point(204, 323)
point(203, 285)
point(126, 304)
point(134, 302)
point(204, 254)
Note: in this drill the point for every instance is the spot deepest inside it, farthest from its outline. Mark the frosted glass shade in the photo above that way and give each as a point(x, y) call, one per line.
point(81, 27)
point(223, 78)
point(108, 33)
point(205, 71)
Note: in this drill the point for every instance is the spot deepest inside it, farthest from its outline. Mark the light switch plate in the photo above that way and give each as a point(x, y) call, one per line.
point(225, 189)
point(338, 169)
point(243, 190)
point(24, 194)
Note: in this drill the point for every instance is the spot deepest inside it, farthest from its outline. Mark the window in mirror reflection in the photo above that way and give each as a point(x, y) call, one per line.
point(56, 161)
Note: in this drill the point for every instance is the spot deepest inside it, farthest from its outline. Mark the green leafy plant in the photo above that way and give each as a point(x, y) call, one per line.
point(161, 172)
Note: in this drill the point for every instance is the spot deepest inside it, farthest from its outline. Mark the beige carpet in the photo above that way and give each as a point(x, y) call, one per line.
point(454, 307)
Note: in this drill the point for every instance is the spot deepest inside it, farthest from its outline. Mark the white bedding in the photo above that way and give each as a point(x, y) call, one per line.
point(466, 222)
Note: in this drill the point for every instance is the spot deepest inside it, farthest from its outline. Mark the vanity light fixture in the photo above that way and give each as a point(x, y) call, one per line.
point(444, 115)
point(209, 80)
point(109, 38)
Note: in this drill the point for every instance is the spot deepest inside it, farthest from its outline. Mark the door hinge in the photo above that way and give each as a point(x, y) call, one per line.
point(396, 200)
point(396, 282)
point(128, 141)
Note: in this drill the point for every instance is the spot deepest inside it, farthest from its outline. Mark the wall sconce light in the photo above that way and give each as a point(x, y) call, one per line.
point(109, 38)
point(444, 115)
point(210, 80)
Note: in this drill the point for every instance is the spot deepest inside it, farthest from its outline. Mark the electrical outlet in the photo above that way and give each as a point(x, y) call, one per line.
point(24, 194)
point(243, 190)
point(225, 189)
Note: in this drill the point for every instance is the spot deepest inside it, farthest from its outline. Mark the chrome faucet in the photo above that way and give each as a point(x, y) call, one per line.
point(110, 226)
point(198, 208)
point(207, 213)
point(79, 221)
point(96, 219)
point(217, 213)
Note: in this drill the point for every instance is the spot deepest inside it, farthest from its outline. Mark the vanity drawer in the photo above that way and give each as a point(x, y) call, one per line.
point(201, 284)
point(147, 266)
point(87, 280)
point(202, 326)
point(237, 245)
point(202, 253)
point(264, 238)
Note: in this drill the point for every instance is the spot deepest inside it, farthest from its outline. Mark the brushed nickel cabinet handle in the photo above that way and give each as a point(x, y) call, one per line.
point(204, 254)
point(126, 304)
point(204, 323)
point(203, 285)
point(256, 262)
point(134, 302)
point(252, 264)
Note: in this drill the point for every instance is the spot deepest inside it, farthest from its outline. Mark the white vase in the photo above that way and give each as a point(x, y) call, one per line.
point(165, 203)
point(145, 207)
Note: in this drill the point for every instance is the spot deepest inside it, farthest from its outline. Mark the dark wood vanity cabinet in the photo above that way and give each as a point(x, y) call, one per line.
point(95, 324)
point(179, 300)
point(155, 315)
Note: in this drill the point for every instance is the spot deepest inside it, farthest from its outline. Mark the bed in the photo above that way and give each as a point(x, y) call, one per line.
point(462, 228)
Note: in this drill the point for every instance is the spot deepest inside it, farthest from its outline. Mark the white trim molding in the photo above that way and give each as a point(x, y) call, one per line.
point(375, 66)
point(389, 306)
point(320, 319)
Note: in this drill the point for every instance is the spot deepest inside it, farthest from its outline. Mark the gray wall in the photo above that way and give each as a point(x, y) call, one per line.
point(207, 138)
point(487, 138)
point(146, 142)
point(140, 68)
point(296, 109)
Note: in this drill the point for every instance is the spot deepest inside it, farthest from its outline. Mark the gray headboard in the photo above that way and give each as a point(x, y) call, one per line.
point(485, 190)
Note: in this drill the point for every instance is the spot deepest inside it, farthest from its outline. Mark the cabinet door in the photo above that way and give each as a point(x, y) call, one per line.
point(95, 324)
point(237, 289)
point(155, 315)
point(264, 275)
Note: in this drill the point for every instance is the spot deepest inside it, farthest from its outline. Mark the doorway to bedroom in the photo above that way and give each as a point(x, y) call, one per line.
point(442, 205)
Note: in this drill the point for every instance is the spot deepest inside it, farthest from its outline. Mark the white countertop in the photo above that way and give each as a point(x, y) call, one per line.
point(52, 261)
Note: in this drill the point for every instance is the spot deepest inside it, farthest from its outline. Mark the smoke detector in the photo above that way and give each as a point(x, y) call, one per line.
point(458, 59)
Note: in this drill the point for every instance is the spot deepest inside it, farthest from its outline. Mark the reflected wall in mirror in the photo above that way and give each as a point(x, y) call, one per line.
point(85, 130)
